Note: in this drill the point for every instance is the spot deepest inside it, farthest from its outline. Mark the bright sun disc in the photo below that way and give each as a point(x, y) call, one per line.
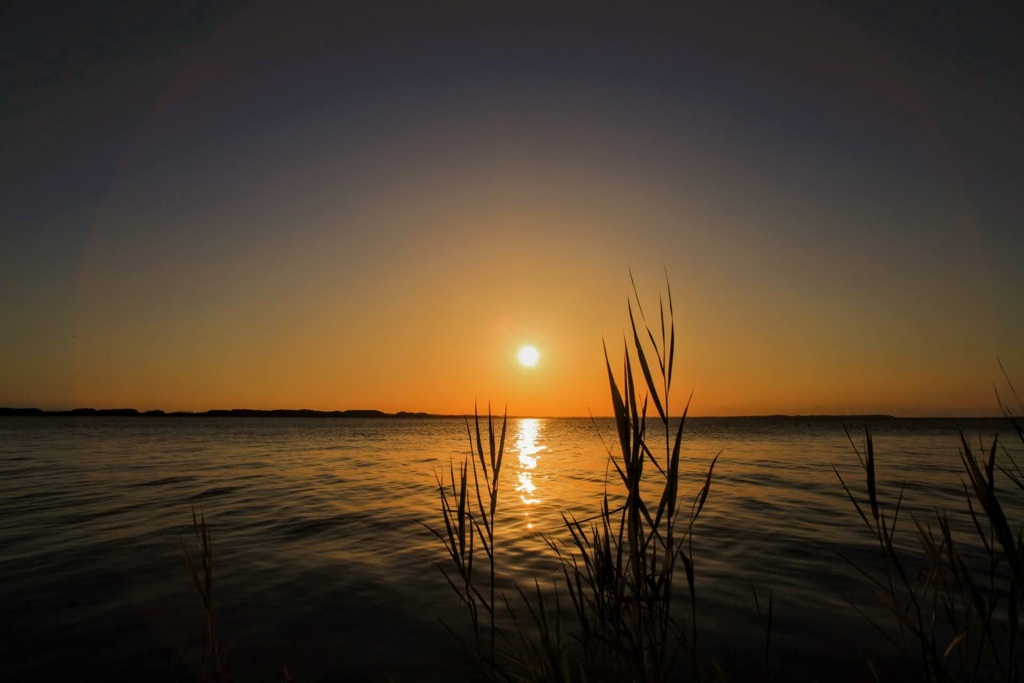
point(529, 355)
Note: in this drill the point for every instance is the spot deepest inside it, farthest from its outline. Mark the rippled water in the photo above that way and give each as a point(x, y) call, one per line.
point(323, 565)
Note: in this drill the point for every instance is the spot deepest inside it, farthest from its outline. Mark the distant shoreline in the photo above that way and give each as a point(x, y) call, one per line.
point(249, 412)
point(234, 412)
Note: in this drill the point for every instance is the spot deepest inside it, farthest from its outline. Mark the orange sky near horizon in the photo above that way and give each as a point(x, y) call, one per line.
point(271, 216)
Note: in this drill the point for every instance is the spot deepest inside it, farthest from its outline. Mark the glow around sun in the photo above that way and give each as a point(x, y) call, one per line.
point(528, 356)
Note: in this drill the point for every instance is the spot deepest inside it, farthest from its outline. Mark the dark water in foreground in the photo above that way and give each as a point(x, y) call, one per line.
point(322, 563)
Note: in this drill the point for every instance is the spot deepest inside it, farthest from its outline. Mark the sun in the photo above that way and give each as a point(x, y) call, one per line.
point(528, 356)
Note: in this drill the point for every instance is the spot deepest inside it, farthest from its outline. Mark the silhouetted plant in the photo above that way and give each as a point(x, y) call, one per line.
point(469, 502)
point(212, 645)
point(956, 608)
point(619, 567)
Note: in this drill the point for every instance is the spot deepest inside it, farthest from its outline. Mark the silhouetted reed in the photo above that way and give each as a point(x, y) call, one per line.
point(956, 607)
point(212, 645)
point(468, 505)
point(619, 566)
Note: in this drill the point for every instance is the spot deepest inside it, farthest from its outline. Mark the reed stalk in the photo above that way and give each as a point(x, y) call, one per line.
point(956, 608)
point(619, 566)
point(204, 587)
point(469, 503)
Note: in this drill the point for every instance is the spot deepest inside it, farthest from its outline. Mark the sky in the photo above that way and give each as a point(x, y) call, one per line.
point(349, 205)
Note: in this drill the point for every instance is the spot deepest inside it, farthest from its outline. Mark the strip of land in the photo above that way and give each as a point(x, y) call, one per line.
point(235, 412)
point(250, 412)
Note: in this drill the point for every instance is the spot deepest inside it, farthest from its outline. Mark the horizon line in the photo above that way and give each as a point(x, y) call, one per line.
point(6, 411)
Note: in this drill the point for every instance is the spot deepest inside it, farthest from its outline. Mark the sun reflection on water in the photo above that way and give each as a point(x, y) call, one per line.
point(527, 448)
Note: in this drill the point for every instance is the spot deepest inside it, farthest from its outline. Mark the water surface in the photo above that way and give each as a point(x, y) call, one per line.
point(323, 564)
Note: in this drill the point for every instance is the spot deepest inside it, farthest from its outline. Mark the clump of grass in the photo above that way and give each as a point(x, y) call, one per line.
point(620, 566)
point(956, 606)
point(469, 502)
point(212, 645)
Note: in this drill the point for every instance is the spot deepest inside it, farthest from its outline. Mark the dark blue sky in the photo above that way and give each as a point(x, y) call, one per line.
point(817, 170)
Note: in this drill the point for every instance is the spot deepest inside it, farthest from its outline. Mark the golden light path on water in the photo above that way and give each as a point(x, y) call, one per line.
point(528, 450)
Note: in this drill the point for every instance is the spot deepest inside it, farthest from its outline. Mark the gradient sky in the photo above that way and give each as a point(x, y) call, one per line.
point(374, 205)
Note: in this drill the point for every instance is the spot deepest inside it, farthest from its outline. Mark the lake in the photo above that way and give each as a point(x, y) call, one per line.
point(323, 565)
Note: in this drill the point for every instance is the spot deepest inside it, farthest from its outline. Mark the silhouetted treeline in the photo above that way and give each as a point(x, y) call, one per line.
point(235, 412)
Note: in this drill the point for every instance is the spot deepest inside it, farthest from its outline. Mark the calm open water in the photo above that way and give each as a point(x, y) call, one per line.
point(323, 566)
